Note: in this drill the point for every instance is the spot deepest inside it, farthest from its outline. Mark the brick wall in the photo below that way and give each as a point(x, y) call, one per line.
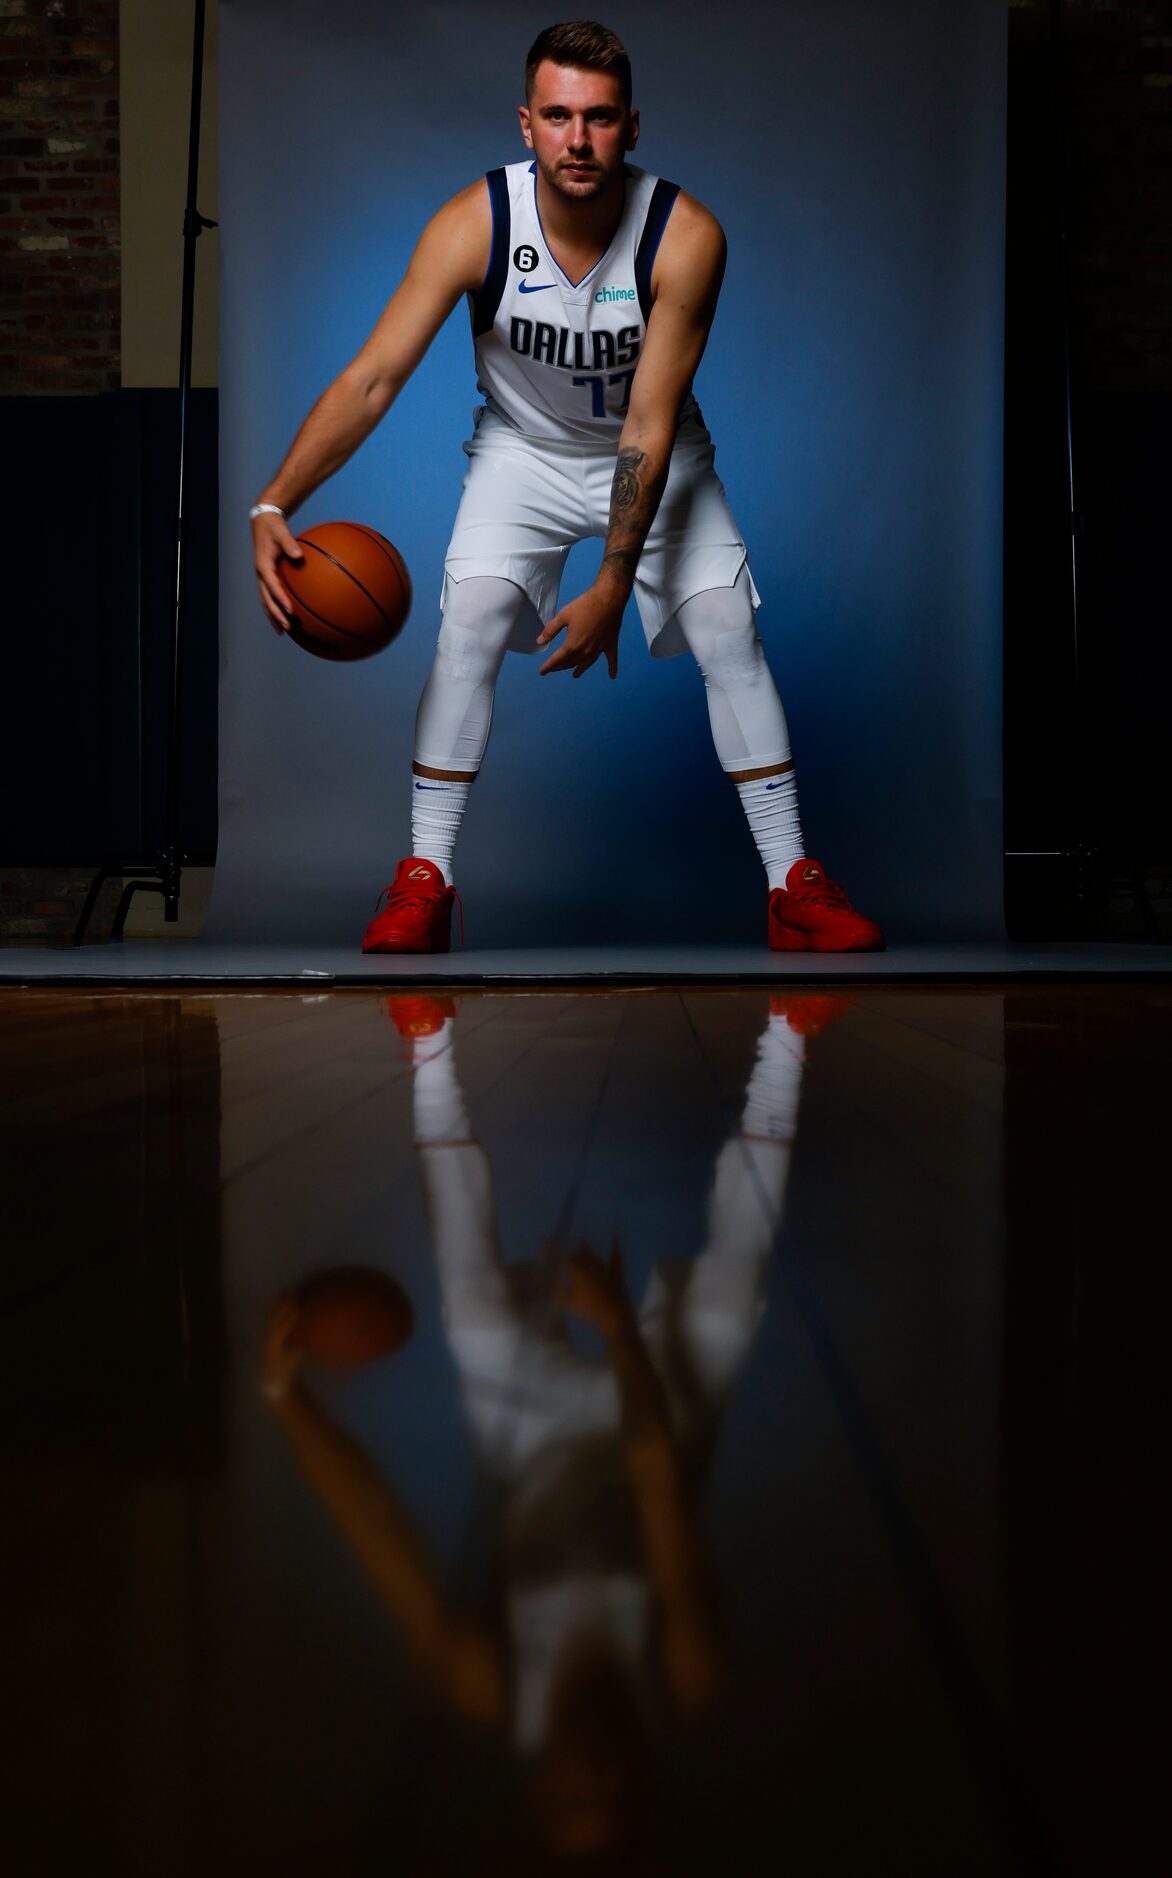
point(59, 196)
point(40, 906)
point(59, 289)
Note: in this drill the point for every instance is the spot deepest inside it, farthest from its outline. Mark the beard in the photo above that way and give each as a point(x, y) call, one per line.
point(577, 188)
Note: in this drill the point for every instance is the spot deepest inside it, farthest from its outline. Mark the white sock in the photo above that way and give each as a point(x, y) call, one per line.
point(771, 810)
point(440, 1114)
point(771, 1100)
point(437, 809)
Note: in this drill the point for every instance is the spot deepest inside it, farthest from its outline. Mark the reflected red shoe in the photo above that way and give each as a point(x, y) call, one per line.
point(808, 1012)
point(813, 914)
point(418, 913)
point(421, 1016)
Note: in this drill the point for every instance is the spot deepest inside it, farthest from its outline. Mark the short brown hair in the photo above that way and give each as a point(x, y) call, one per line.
point(582, 43)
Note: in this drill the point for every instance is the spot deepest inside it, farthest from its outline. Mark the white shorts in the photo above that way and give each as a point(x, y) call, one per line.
point(526, 501)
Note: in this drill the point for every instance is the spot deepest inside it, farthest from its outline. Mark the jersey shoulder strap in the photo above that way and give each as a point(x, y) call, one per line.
point(658, 209)
point(486, 302)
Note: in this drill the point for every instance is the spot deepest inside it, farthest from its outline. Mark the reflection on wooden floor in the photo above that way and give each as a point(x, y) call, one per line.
point(726, 1442)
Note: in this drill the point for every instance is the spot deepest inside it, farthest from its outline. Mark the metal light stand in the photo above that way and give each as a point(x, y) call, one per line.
point(163, 874)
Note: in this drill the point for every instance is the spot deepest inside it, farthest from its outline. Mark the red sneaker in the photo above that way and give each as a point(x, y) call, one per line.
point(808, 1012)
point(813, 914)
point(422, 1016)
point(418, 913)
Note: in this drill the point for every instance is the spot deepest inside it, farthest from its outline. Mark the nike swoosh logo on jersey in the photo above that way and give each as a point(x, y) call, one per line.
point(775, 785)
point(526, 288)
point(431, 788)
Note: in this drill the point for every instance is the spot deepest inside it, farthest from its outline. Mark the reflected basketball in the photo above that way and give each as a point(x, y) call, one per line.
point(352, 592)
point(352, 1315)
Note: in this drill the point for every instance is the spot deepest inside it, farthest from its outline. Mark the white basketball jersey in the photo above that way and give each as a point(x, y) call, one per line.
point(555, 358)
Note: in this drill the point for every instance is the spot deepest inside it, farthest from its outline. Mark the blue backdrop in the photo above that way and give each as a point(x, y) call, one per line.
point(854, 151)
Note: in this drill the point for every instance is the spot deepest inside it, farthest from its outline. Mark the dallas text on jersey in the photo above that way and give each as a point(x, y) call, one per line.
point(561, 345)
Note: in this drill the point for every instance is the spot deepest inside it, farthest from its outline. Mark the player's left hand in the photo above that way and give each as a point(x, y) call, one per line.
point(596, 1288)
point(591, 625)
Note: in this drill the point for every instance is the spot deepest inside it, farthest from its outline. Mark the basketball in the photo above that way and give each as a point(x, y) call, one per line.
point(351, 1315)
point(352, 592)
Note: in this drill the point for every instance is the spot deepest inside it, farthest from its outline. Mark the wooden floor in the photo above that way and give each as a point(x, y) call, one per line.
point(814, 1529)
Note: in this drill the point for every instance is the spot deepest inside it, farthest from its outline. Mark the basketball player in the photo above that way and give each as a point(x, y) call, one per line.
point(604, 1625)
point(592, 288)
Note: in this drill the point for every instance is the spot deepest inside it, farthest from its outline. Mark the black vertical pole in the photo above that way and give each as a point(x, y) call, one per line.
point(193, 226)
point(163, 874)
point(1080, 844)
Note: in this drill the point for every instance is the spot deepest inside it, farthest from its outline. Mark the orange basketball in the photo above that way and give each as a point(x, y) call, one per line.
point(350, 1315)
point(352, 591)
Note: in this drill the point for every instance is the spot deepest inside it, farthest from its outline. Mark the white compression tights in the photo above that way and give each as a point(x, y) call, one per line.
point(748, 723)
point(455, 711)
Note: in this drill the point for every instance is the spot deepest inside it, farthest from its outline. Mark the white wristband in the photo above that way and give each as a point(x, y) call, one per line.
point(266, 508)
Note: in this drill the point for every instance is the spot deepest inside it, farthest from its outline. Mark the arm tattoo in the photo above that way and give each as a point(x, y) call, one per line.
point(634, 498)
point(625, 488)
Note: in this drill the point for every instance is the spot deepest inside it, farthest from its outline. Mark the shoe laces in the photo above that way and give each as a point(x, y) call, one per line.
point(402, 894)
point(822, 893)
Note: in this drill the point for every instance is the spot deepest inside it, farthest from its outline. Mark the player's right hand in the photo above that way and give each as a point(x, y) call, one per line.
point(272, 540)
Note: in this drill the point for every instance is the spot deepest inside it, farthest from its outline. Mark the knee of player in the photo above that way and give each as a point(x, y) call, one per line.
point(733, 657)
point(461, 654)
point(720, 628)
point(480, 612)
